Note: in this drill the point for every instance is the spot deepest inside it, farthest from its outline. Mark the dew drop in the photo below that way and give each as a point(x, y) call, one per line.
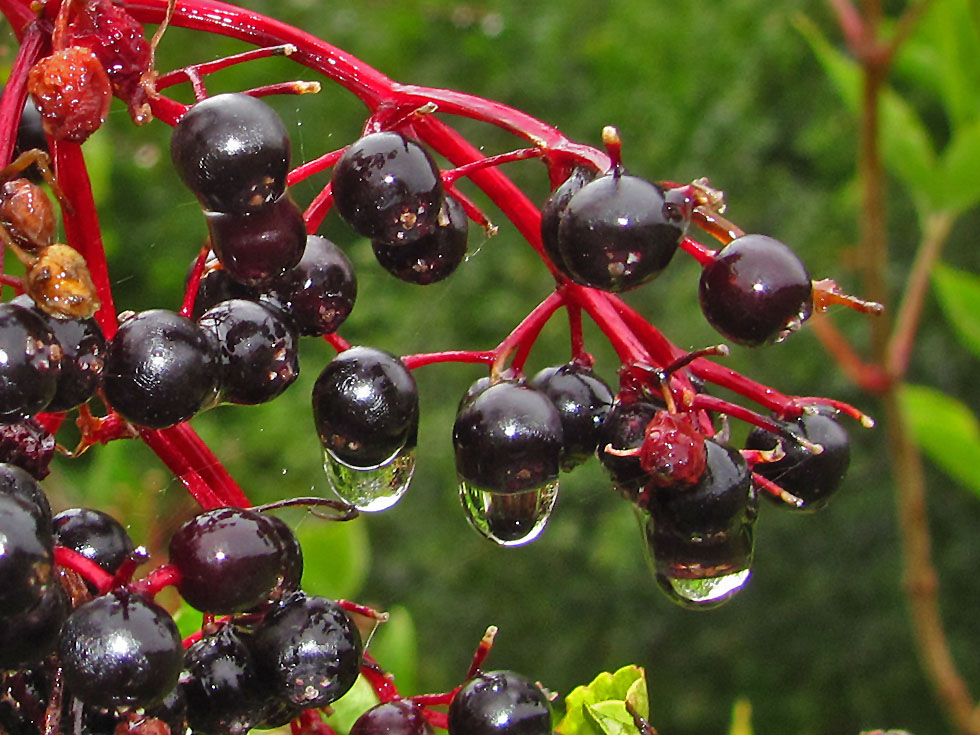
point(508, 519)
point(371, 489)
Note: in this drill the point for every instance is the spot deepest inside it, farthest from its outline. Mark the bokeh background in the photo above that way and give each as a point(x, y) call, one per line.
point(819, 641)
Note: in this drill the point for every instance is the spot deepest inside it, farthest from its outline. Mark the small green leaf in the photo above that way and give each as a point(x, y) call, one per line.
point(342, 553)
point(626, 684)
point(612, 718)
point(946, 430)
point(959, 295)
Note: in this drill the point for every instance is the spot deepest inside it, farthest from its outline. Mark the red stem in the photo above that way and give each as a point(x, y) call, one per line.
point(88, 569)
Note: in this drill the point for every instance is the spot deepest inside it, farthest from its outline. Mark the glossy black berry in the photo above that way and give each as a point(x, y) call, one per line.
point(400, 717)
point(755, 291)
point(161, 369)
point(365, 406)
point(28, 637)
point(508, 439)
point(120, 650)
point(260, 246)
point(28, 445)
point(388, 188)
point(430, 258)
point(30, 362)
point(308, 650)
point(811, 477)
point(95, 535)
point(292, 558)
point(232, 151)
point(624, 427)
point(554, 208)
point(500, 703)
point(583, 399)
point(229, 559)
point(722, 499)
point(26, 554)
point(18, 482)
point(258, 349)
point(221, 684)
point(318, 293)
point(618, 233)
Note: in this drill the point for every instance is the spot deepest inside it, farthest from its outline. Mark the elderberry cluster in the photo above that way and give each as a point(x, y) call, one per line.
point(81, 632)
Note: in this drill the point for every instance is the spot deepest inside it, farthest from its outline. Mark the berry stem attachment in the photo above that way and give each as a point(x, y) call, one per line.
point(482, 651)
point(827, 293)
point(522, 154)
point(773, 489)
point(92, 572)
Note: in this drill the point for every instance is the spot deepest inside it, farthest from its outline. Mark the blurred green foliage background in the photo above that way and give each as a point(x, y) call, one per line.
point(819, 642)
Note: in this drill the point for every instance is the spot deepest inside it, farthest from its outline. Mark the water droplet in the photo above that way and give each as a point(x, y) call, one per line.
point(371, 489)
point(701, 574)
point(508, 519)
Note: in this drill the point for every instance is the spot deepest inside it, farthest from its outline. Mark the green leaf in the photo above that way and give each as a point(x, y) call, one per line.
point(907, 150)
point(946, 430)
point(584, 716)
point(960, 162)
point(959, 295)
point(342, 553)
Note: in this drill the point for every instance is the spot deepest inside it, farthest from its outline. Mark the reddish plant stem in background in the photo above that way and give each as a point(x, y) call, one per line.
point(431, 358)
point(891, 349)
point(519, 342)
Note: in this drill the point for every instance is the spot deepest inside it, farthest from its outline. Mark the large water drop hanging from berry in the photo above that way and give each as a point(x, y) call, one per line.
point(508, 519)
point(371, 489)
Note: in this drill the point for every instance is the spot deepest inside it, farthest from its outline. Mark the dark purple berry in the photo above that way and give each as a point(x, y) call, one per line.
point(292, 558)
point(28, 445)
point(161, 369)
point(232, 151)
point(229, 560)
point(318, 293)
point(30, 363)
point(26, 554)
point(624, 427)
point(500, 703)
point(28, 637)
point(120, 650)
point(95, 535)
point(216, 286)
point(554, 208)
point(400, 717)
point(20, 483)
point(432, 257)
point(259, 246)
point(811, 477)
point(365, 407)
point(617, 233)
point(508, 439)
point(258, 350)
point(308, 650)
point(221, 684)
point(755, 291)
point(583, 399)
point(722, 499)
point(388, 188)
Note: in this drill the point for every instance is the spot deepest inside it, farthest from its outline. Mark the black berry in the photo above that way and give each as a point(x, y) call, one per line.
point(232, 151)
point(161, 369)
point(365, 407)
point(500, 703)
point(554, 208)
point(432, 257)
point(400, 717)
point(26, 554)
point(755, 291)
point(31, 364)
point(120, 650)
point(95, 535)
point(388, 188)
